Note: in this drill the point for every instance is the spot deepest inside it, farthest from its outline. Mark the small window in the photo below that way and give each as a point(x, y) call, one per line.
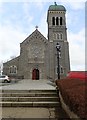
point(58, 36)
point(61, 36)
point(13, 69)
point(61, 70)
point(56, 69)
point(60, 20)
point(53, 20)
point(57, 21)
point(54, 36)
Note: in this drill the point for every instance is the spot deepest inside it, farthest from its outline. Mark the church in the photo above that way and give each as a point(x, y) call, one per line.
point(38, 55)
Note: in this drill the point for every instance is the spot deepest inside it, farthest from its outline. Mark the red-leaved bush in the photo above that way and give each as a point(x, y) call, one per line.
point(74, 93)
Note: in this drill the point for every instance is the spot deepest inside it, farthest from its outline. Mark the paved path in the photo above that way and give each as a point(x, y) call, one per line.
point(28, 112)
point(49, 113)
point(31, 85)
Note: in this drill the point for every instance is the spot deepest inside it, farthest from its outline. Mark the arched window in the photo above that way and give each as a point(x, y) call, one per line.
point(58, 36)
point(61, 36)
point(13, 69)
point(60, 20)
point(57, 21)
point(54, 36)
point(53, 20)
point(61, 70)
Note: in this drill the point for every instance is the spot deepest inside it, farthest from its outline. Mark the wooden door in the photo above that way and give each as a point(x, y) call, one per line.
point(35, 74)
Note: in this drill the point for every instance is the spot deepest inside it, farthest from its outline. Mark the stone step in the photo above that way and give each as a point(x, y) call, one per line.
point(29, 104)
point(29, 99)
point(28, 94)
point(28, 91)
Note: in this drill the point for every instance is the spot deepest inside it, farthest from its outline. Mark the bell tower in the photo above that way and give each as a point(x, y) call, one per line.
point(57, 33)
point(56, 23)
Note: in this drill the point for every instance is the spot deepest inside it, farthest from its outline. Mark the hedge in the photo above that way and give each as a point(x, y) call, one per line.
point(74, 95)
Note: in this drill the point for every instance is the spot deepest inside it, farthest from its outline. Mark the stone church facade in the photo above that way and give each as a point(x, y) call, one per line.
point(38, 55)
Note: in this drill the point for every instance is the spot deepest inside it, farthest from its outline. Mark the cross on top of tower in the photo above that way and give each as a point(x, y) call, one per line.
point(55, 3)
point(36, 27)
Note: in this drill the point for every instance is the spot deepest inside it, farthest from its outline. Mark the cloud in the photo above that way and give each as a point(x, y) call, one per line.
point(75, 17)
point(43, 24)
point(9, 41)
point(40, 5)
point(1, 4)
point(77, 4)
point(27, 11)
point(77, 49)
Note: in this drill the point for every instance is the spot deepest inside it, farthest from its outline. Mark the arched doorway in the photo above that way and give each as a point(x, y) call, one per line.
point(35, 74)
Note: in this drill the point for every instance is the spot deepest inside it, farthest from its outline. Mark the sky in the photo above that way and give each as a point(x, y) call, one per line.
point(18, 19)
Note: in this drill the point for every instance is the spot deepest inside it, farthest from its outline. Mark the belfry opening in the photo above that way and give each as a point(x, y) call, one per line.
point(35, 74)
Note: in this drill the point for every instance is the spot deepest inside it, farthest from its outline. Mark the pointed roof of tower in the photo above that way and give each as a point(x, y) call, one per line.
point(56, 7)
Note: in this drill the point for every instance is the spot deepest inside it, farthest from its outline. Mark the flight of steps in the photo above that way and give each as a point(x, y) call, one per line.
point(29, 98)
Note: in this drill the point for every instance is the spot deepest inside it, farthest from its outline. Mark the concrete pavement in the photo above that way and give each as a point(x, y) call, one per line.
point(46, 113)
point(28, 113)
point(30, 85)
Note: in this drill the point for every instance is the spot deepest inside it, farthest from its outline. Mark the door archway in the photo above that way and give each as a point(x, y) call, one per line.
point(35, 74)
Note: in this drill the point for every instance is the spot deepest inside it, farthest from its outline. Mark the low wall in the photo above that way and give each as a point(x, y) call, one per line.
point(70, 113)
